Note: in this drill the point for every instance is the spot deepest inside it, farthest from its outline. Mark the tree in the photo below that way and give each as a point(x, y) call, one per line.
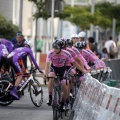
point(78, 16)
point(7, 29)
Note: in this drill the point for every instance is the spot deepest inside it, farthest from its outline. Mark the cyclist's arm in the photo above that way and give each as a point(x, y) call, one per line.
point(33, 60)
point(85, 63)
point(30, 60)
point(79, 61)
point(10, 47)
point(75, 63)
point(79, 67)
point(47, 67)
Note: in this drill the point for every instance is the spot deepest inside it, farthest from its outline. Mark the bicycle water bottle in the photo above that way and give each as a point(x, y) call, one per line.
point(21, 83)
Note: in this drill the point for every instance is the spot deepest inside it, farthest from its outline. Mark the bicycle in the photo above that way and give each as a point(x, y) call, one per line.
point(57, 96)
point(34, 88)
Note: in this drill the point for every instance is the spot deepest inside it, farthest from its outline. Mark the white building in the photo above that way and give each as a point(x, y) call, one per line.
point(11, 9)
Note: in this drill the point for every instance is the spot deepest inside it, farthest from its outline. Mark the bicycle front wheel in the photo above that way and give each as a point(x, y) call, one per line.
point(36, 93)
point(5, 97)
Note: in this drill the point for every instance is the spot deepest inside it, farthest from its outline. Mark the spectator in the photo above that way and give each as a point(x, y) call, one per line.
point(39, 44)
point(105, 54)
point(110, 45)
point(92, 44)
point(14, 40)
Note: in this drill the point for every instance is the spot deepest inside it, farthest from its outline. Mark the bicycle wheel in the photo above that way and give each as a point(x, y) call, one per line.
point(36, 93)
point(5, 97)
point(71, 115)
point(55, 106)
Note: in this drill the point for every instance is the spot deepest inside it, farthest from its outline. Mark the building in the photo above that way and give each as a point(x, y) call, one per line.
point(20, 13)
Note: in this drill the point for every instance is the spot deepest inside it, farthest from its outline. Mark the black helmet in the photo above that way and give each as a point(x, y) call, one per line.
point(69, 42)
point(63, 43)
point(58, 44)
point(79, 45)
point(84, 43)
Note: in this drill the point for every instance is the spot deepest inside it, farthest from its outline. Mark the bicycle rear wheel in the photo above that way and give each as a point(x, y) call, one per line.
point(5, 97)
point(36, 93)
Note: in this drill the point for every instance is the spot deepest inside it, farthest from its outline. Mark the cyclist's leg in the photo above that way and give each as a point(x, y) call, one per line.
point(18, 71)
point(2, 62)
point(72, 72)
point(50, 85)
point(65, 94)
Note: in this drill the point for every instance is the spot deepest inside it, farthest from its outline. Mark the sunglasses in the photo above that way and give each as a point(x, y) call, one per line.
point(75, 37)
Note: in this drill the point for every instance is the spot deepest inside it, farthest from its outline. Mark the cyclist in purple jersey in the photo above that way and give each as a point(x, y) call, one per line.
point(14, 57)
point(3, 54)
point(60, 61)
point(8, 44)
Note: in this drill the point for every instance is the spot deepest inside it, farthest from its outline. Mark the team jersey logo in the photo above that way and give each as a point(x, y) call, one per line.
point(11, 54)
point(4, 51)
point(19, 49)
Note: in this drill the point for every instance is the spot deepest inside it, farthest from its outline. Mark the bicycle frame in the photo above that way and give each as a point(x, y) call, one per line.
point(26, 82)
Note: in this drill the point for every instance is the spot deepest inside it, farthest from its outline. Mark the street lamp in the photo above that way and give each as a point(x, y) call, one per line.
point(52, 21)
point(20, 15)
point(114, 25)
point(92, 12)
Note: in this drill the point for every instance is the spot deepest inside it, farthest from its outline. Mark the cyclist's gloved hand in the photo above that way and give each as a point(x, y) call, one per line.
point(84, 71)
point(87, 74)
point(41, 71)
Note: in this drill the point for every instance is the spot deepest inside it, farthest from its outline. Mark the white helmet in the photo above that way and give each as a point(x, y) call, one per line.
point(74, 36)
point(28, 42)
point(82, 34)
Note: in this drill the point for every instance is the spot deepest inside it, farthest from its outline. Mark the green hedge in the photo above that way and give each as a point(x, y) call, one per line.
point(7, 29)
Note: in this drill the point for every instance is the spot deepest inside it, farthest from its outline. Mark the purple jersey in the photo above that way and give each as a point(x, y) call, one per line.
point(19, 52)
point(3, 50)
point(8, 44)
point(64, 58)
point(82, 58)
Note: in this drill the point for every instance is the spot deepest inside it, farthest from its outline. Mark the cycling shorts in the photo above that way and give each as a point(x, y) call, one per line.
point(59, 70)
point(16, 66)
point(2, 61)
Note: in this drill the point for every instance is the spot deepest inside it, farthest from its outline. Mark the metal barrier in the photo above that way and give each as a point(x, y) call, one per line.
point(114, 64)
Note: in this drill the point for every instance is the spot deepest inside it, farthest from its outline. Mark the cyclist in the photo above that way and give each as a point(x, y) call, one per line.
point(13, 59)
point(8, 44)
point(84, 44)
point(74, 38)
point(76, 58)
point(3, 54)
point(91, 59)
point(82, 36)
point(59, 60)
point(84, 63)
point(72, 52)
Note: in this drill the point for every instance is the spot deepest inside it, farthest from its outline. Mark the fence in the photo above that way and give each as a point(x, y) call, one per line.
point(115, 66)
point(96, 101)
